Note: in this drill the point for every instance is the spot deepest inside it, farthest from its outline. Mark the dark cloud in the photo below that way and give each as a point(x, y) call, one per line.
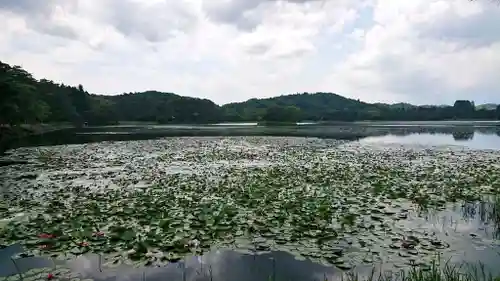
point(258, 49)
point(238, 12)
point(39, 16)
point(481, 29)
point(294, 53)
point(233, 12)
point(54, 29)
point(27, 6)
point(155, 23)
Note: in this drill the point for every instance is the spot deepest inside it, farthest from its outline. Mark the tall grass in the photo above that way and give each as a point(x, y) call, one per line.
point(436, 272)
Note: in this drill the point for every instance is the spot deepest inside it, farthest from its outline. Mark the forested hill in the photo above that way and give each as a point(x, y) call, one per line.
point(332, 107)
point(24, 99)
point(305, 106)
point(161, 107)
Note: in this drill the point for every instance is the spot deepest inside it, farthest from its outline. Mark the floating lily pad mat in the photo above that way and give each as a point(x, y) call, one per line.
point(155, 202)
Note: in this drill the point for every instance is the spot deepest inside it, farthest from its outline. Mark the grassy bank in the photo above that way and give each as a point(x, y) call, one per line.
point(10, 134)
point(437, 272)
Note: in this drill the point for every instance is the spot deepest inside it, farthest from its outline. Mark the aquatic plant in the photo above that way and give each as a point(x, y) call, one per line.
point(153, 202)
point(436, 272)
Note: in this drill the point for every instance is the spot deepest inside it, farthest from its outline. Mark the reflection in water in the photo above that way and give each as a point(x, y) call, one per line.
point(346, 132)
point(218, 265)
point(463, 135)
point(473, 140)
point(471, 229)
point(488, 213)
point(223, 265)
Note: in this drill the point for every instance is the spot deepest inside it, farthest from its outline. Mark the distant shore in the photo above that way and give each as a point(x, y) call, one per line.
point(9, 134)
point(25, 135)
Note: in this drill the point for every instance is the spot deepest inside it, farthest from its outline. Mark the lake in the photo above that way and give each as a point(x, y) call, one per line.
point(251, 203)
point(344, 131)
point(472, 141)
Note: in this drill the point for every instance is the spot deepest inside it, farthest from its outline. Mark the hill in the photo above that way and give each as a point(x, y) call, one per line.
point(333, 107)
point(161, 107)
point(487, 106)
point(25, 100)
point(315, 106)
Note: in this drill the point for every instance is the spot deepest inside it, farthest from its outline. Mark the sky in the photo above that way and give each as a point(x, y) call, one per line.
point(418, 51)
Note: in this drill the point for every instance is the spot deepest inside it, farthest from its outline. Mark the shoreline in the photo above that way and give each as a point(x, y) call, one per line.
point(9, 134)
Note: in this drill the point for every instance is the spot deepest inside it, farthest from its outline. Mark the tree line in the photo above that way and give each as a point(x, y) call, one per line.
point(26, 100)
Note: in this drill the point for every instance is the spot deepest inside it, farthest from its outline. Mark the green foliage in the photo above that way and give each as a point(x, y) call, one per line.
point(332, 107)
point(305, 201)
point(160, 107)
point(463, 109)
point(18, 100)
point(282, 114)
point(318, 106)
point(436, 272)
point(24, 99)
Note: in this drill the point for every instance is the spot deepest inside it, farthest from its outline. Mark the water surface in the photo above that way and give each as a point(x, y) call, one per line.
point(112, 156)
point(486, 132)
point(471, 140)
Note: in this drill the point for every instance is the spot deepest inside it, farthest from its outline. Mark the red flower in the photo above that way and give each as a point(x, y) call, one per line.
point(99, 234)
point(50, 276)
point(46, 236)
point(84, 244)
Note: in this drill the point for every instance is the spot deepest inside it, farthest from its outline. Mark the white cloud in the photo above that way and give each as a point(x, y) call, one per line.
point(422, 51)
point(427, 51)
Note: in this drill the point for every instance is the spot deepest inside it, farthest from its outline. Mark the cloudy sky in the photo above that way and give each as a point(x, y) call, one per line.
point(418, 51)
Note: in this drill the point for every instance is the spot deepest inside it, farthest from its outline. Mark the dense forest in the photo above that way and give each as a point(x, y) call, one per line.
point(332, 107)
point(25, 100)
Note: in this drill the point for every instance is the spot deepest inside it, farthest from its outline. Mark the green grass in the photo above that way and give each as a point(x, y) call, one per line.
point(465, 272)
point(495, 214)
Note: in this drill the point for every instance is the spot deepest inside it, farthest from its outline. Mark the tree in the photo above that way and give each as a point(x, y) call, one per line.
point(313, 106)
point(18, 97)
point(24, 99)
point(102, 112)
point(464, 109)
point(282, 114)
point(466, 133)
